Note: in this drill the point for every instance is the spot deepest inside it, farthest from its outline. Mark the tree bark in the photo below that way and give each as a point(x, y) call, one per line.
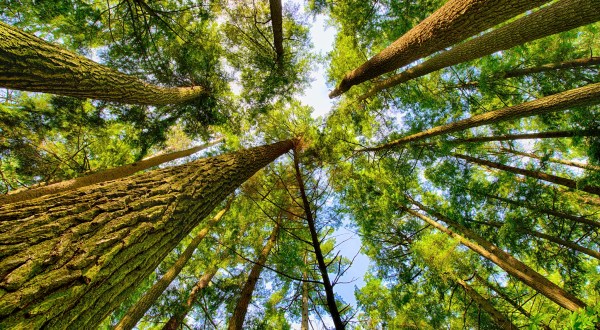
point(513, 137)
point(177, 319)
point(504, 260)
point(31, 64)
point(137, 311)
point(581, 165)
point(566, 216)
point(236, 322)
point(316, 243)
point(102, 176)
point(70, 259)
point(455, 21)
point(583, 96)
point(277, 24)
point(532, 174)
point(500, 319)
point(304, 323)
point(561, 16)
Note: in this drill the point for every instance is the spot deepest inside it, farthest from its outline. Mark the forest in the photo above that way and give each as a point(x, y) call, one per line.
point(170, 164)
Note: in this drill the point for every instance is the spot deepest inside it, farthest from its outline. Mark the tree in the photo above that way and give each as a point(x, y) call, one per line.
point(99, 272)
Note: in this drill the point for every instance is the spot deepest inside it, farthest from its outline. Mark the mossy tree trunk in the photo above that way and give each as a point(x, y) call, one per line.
point(69, 260)
point(29, 63)
point(455, 21)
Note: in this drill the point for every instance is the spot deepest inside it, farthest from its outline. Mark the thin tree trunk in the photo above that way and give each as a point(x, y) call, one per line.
point(581, 165)
point(137, 311)
point(500, 319)
point(305, 292)
point(583, 96)
point(455, 21)
point(277, 24)
point(566, 216)
point(177, 319)
point(70, 259)
point(31, 64)
point(236, 322)
point(504, 260)
point(513, 137)
point(577, 63)
point(532, 174)
point(102, 176)
point(331, 304)
point(558, 17)
point(550, 238)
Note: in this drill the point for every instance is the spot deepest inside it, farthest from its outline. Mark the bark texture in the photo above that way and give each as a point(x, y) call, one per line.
point(561, 16)
point(277, 24)
point(583, 96)
point(102, 176)
point(29, 63)
point(316, 243)
point(137, 311)
point(69, 260)
point(455, 21)
point(236, 322)
point(504, 260)
point(175, 321)
point(501, 320)
point(532, 174)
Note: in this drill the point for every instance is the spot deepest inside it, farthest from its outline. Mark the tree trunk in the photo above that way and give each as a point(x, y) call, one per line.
point(504, 260)
point(577, 63)
point(513, 137)
point(31, 64)
point(532, 174)
point(137, 311)
point(455, 21)
point(500, 319)
point(561, 16)
point(176, 320)
point(583, 96)
point(277, 24)
point(102, 176)
point(316, 243)
point(550, 238)
point(70, 259)
point(304, 323)
point(566, 216)
point(236, 322)
point(581, 165)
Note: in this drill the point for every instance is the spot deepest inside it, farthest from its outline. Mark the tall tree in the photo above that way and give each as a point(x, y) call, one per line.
point(32, 64)
point(558, 17)
point(86, 250)
point(452, 23)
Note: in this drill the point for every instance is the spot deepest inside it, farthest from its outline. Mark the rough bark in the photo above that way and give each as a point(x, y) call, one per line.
point(455, 21)
point(102, 176)
point(236, 322)
point(581, 165)
point(31, 64)
point(513, 137)
point(575, 218)
point(583, 96)
point(316, 243)
point(532, 174)
point(67, 261)
point(561, 16)
point(137, 311)
point(500, 319)
point(504, 260)
point(277, 24)
point(177, 319)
